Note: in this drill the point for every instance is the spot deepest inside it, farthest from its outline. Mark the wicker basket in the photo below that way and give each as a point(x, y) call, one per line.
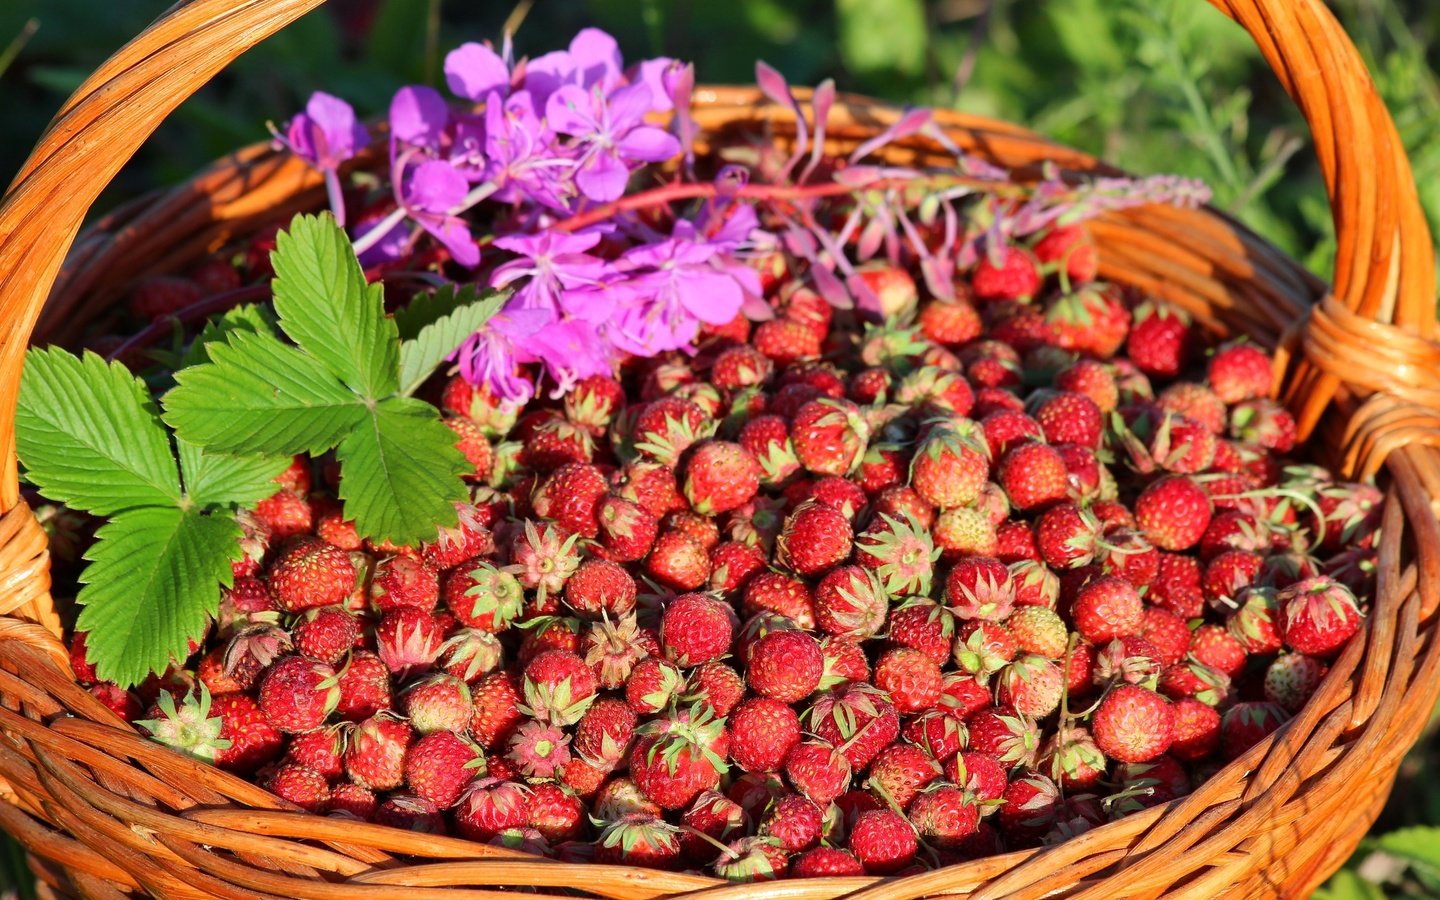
point(104, 811)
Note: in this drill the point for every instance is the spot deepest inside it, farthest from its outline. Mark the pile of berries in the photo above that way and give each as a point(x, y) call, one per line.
point(828, 597)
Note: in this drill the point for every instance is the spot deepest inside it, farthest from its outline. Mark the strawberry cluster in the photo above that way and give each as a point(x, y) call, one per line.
point(828, 597)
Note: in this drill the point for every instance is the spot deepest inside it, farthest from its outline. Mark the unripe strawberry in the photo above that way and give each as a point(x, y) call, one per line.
point(1292, 680)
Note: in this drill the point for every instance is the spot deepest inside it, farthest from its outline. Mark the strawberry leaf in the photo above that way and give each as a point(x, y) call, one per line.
point(250, 317)
point(327, 308)
point(440, 337)
point(219, 479)
point(89, 435)
point(400, 473)
point(153, 583)
point(258, 395)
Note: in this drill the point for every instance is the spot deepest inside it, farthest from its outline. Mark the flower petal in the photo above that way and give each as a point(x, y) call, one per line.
point(418, 115)
point(435, 187)
point(649, 144)
point(474, 70)
point(604, 178)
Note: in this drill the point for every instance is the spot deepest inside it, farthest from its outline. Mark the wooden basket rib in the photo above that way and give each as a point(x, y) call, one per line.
point(106, 813)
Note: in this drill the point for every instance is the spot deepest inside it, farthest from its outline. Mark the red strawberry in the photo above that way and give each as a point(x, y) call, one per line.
point(826, 862)
point(1246, 724)
point(1069, 249)
point(1197, 730)
point(497, 699)
point(717, 686)
point(899, 772)
point(829, 436)
point(860, 720)
point(786, 666)
point(720, 476)
point(482, 596)
point(404, 581)
point(980, 587)
point(326, 633)
point(627, 530)
point(440, 765)
point(604, 733)
point(1108, 608)
point(944, 815)
point(924, 625)
point(979, 773)
point(285, 514)
point(762, 733)
point(302, 786)
point(1317, 616)
point(558, 687)
point(695, 629)
point(678, 561)
point(1133, 724)
point(539, 750)
point(352, 800)
point(570, 496)
point(438, 703)
point(910, 677)
point(678, 757)
point(298, 694)
point(594, 402)
point(883, 841)
point(1173, 512)
point(473, 445)
point(818, 770)
point(1032, 684)
point(556, 813)
point(252, 740)
point(785, 340)
point(489, 806)
point(1160, 342)
point(1072, 760)
point(652, 684)
point(408, 640)
point(1240, 371)
point(158, 296)
point(951, 465)
point(1005, 272)
point(733, 564)
point(309, 573)
point(543, 559)
point(815, 538)
point(375, 753)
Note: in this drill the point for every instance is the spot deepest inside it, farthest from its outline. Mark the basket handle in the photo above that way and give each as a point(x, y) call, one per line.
point(94, 134)
point(1384, 276)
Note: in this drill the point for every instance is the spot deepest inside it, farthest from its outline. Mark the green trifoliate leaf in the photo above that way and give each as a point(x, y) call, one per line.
point(217, 479)
point(250, 317)
point(326, 307)
point(432, 306)
point(260, 396)
point(153, 582)
point(89, 435)
point(400, 473)
point(439, 338)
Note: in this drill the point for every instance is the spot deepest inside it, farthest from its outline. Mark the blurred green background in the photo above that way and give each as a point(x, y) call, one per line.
point(1151, 85)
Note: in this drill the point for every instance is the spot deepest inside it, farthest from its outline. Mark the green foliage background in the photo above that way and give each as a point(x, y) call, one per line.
point(1151, 85)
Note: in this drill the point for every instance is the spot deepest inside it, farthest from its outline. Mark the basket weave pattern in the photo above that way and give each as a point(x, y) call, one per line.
point(105, 812)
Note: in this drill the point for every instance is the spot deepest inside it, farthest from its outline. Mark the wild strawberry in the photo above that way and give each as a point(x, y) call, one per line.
point(983, 647)
point(733, 564)
point(440, 765)
point(1317, 616)
point(679, 562)
point(1107, 608)
point(937, 732)
point(677, 758)
point(544, 633)
point(1167, 633)
point(1005, 734)
point(695, 629)
point(558, 687)
point(950, 466)
point(784, 341)
point(298, 694)
point(701, 529)
point(1240, 371)
point(438, 703)
point(652, 684)
point(1197, 730)
point(1072, 760)
point(964, 531)
point(666, 427)
point(410, 813)
point(1160, 343)
point(1032, 684)
point(1070, 418)
point(900, 551)
point(883, 841)
point(594, 402)
point(375, 753)
point(1130, 659)
point(785, 666)
point(627, 531)
point(829, 436)
point(479, 405)
point(1196, 403)
point(539, 749)
point(600, 587)
point(1292, 680)
point(860, 720)
point(720, 476)
point(326, 633)
point(488, 806)
point(1176, 586)
point(1133, 724)
point(404, 581)
point(979, 773)
point(1194, 679)
point(1173, 512)
point(302, 786)
point(322, 750)
point(612, 649)
point(1005, 272)
point(352, 800)
point(497, 714)
point(767, 438)
point(604, 733)
point(910, 677)
point(473, 445)
point(1214, 646)
point(1040, 630)
point(1246, 724)
point(899, 772)
point(717, 686)
point(818, 770)
point(408, 640)
point(762, 733)
point(1067, 536)
point(826, 862)
point(552, 441)
point(543, 559)
point(1005, 429)
point(556, 813)
point(925, 626)
point(569, 496)
point(309, 573)
point(980, 587)
point(285, 514)
point(845, 663)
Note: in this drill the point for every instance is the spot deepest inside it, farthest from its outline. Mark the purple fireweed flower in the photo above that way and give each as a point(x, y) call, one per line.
point(475, 71)
point(662, 75)
point(571, 349)
point(325, 135)
point(557, 266)
point(676, 284)
point(432, 191)
point(522, 156)
point(492, 356)
point(418, 117)
point(609, 132)
point(592, 60)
